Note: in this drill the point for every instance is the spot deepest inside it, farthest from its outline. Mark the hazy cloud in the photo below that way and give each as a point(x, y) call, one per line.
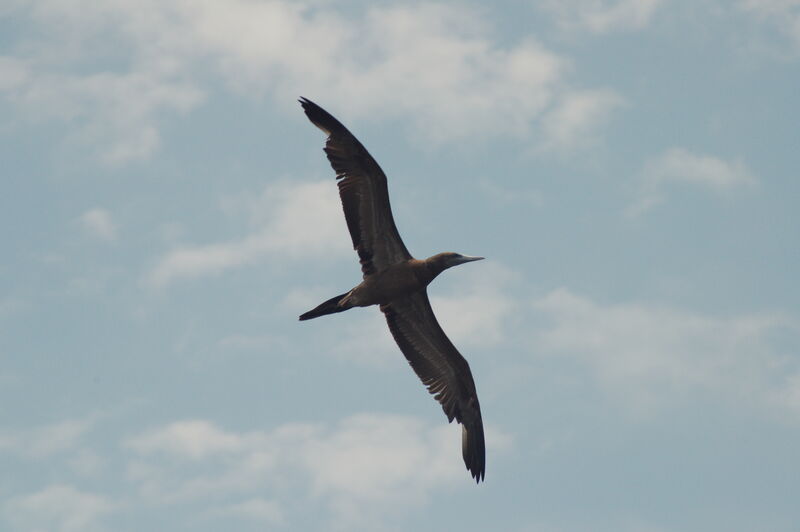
point(193, 439)
point(680, 166)
point(481, 307)
point(117, 113)
point(293, 221)
point(45, 440)
point(439, 65)
point(365, 465)
point(58, 507)
point(648, 356)
point(602, 16)
point(13, 73)
point(265, 511)
point(574, 120)
point(98, 223)
point(363, 338)
point(784, 15)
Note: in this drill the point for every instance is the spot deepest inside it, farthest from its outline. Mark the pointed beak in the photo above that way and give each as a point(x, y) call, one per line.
point(466, 258)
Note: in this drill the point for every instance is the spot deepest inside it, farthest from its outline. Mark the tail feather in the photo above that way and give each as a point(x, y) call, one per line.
point(330, 306)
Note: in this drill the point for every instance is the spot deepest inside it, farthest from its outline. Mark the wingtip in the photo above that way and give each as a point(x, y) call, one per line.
point(320, 117)
point(308, 105)
point(474, 451)
point(478, 475)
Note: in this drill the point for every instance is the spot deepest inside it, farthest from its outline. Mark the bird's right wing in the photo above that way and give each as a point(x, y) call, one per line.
point(364, 194)
point(442, 370)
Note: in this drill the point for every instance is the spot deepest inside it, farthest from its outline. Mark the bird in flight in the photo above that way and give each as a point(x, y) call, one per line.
point(397, 282)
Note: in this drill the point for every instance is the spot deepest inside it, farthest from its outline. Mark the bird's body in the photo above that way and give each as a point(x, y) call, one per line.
point(397, 282)
point(391, 282)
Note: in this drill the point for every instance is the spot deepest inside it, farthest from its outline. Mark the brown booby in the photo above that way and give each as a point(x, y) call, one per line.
point(396, 281)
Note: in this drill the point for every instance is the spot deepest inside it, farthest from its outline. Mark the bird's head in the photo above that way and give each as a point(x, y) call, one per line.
point(448, 259)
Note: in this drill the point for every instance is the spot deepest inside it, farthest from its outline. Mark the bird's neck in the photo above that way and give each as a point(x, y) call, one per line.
point(434, 266)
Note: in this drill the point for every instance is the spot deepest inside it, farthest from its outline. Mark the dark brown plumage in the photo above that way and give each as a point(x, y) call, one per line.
point(397, 282)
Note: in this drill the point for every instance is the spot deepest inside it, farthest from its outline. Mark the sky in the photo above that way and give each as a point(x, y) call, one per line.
point(628, 167)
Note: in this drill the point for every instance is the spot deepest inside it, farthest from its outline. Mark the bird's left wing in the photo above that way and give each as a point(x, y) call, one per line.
point(442, 370)
point(364, 194)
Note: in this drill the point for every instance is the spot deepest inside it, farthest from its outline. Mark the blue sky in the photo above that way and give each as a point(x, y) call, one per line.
point(628, 167)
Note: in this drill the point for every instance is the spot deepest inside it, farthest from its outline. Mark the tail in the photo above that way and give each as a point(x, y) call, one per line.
point(331, 306)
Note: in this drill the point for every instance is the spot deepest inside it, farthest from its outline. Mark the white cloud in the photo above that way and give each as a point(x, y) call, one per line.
point(87, 463)
point(770, 6)
point(194, 439)
point(436, 64)
point(117, 113)
point(59, 508)
point(481, 308)
point(363, 338)
point(295, 221)
point(265, 511)
point(678, 165)
point(13, 73)
point(99, 224)
point(602, 16)
point(46, 440)
point(648, 356)
point(382, 458)
point(575, 118)
point(788, 396)
point(368, 464)
point(781, 14)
